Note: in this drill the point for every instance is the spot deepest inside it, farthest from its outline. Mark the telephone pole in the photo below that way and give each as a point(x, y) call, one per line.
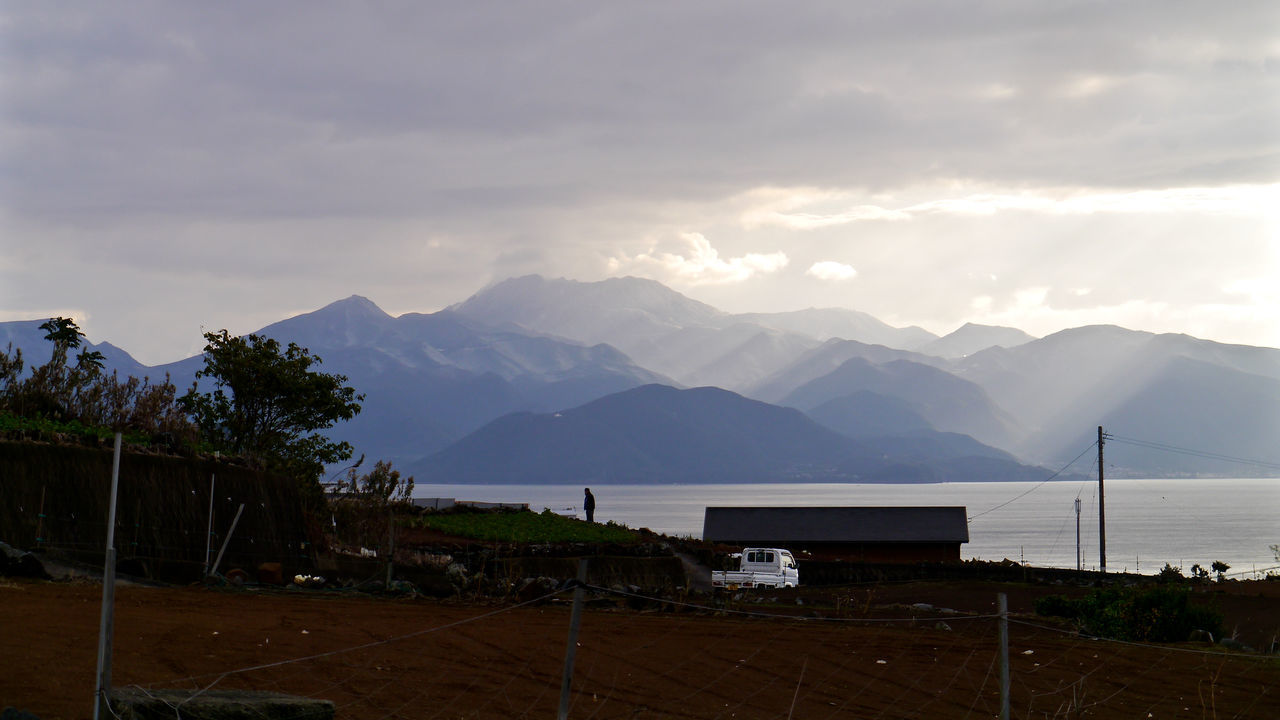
point(1102, 506)
point(1078, 565)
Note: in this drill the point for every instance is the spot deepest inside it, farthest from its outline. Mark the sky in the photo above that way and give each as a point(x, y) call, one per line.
point(172, 168)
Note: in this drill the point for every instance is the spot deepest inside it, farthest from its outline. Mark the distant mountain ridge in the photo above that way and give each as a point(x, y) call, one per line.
point(971, 338)
point(658, 434)
point(660, 329)
point(527, 348)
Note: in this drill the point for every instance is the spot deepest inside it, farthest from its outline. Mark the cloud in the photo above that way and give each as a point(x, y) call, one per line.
point(831, 270)
point(242, 160)
point(700, 264)
point(786, 210)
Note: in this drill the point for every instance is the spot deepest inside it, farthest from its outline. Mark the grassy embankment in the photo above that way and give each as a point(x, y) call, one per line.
point(524, 526)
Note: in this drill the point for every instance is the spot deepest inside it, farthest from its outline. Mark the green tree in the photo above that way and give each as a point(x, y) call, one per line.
point(63, 333)
point(269, 404)
point(58, 390)
point(60, 400)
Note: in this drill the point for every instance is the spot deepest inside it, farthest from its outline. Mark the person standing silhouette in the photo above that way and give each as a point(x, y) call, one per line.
point(589, 504)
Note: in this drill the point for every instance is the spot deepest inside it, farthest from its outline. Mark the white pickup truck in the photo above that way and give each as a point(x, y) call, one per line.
point(759, 568)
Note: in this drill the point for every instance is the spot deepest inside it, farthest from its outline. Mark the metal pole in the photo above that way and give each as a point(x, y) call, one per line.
point(1078, 566)
point(1002, 602)
point(227, 540)
point(391, 546)
point(1102, 508)
point(106, 624)
point(208, 535)
point(575, 619)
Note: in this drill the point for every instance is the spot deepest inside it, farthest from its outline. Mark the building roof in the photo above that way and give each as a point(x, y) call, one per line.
point(781, 525)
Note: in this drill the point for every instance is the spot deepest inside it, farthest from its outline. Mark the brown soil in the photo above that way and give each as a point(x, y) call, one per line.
point(415, 658)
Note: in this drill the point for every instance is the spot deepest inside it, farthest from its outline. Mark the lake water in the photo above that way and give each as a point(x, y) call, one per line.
point(1149, 522)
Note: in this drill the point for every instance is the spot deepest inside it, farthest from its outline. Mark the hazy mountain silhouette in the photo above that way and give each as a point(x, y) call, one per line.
point(658, 434)
point(864, 413)
point(538, 346)
point(971, 338)
point(429, 379)
point(944, 400)
point(827, 323)
point(662, 330)
point(822, 361)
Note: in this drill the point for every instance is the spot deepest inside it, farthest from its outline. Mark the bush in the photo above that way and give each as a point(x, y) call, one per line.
point(1153, 614)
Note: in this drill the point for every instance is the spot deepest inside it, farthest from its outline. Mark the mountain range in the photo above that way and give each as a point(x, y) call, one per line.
point(625, 380)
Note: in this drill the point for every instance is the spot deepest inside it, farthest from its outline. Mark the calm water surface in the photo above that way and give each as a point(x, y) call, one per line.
point(1149, 522)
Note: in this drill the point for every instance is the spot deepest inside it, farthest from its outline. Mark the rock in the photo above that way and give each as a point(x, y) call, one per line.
point(924, 607)
point(941, 626)
point(1200, 636)
point(402, 587)
point(534, 588)
point(457, 575)
point(271, 573)
point(1232, 644)
point(19, 563)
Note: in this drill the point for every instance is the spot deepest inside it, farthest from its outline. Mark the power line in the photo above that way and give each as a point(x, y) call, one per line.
point(1037, 487)
point(1152, 445)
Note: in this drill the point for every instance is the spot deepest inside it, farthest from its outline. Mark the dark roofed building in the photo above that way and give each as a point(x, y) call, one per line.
point(866, 534)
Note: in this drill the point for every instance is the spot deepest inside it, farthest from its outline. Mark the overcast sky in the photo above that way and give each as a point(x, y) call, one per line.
point(167, 167)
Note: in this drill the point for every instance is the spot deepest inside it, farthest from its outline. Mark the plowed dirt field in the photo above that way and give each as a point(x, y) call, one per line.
point(843, 653)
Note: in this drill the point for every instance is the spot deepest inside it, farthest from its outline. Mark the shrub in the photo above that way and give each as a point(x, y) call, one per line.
point(1154, 614)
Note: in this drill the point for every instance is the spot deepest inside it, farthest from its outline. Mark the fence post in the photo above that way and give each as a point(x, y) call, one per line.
point(575, 619)
point(106, 625)
point(1002, 602)
point(391, 545)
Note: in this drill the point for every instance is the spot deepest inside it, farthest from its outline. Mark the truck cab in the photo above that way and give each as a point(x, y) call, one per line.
point(760, 568)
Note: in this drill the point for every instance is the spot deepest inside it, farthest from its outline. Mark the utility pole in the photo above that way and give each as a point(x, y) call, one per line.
point(1102, 506)
point(1078, 566)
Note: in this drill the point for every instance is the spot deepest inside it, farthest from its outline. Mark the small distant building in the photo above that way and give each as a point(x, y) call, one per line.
point(443, 503)
point(434, 503)
point(856, 534)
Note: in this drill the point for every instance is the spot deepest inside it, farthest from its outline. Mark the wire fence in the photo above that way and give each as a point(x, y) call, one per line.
point(727, 659)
